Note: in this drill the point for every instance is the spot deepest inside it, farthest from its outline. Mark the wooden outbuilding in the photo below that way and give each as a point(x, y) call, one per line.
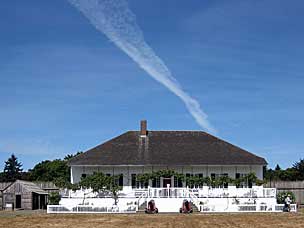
point(3, 185)
point(24, 195)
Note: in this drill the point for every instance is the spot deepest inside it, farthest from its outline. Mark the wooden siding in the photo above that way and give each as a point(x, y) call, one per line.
point(9, 196)
point(29, 198)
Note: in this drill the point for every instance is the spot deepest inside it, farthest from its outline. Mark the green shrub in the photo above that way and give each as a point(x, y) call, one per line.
point(282, 195)
point(54, 198)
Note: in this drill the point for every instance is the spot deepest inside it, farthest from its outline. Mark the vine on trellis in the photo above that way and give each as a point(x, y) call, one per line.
point(195, 180)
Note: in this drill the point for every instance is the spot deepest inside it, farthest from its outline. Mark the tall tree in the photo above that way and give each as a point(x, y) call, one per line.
point(50, 171)
point(299, 168)
point(57, 170)
point(12, 169)
point(70, 156)
point(277, 168)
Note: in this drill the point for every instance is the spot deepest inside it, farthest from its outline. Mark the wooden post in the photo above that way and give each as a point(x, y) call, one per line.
point(39, 206)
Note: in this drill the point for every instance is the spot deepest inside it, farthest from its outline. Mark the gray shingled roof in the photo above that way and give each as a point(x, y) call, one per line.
point(167, 148)
point(29, 186)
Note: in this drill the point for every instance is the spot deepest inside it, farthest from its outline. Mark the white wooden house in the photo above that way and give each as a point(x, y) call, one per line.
point(186, 152)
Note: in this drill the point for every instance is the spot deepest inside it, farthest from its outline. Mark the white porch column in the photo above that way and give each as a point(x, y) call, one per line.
point(71, 171)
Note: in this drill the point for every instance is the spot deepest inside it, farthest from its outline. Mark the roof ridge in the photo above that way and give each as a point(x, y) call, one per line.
point(170, 130)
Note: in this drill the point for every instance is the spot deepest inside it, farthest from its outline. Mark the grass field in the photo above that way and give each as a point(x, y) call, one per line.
point(30, 219)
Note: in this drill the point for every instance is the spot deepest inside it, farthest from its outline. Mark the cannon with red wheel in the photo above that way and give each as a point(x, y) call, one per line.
point(151, 209)
point(186, 207)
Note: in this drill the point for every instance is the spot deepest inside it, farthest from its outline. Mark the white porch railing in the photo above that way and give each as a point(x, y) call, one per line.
point(248, 208)
point(54, 209)
point(206, 192)
point(232, 192)
point(168, 192)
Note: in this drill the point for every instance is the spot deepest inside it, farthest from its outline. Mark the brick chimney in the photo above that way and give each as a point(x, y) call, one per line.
point(143, 128)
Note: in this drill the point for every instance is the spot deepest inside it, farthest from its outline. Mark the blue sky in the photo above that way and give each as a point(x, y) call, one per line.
point(65, 87)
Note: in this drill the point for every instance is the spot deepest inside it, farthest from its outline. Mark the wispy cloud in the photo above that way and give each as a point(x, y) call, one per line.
point(118, 23)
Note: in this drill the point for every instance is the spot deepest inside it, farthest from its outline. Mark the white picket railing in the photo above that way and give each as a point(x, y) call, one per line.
point(205, 192)
point(248, 208)
point(231, 192)
point(59, 209)
point(54, 209)
point(167, 192)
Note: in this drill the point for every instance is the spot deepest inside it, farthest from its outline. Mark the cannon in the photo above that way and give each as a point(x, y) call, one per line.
point(186, 207)
point(151, 209)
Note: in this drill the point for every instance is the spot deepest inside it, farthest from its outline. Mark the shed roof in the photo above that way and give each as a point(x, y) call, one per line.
point(28, 186)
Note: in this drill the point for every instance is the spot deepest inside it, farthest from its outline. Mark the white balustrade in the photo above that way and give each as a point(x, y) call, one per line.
point(247, 208)
point(54, 209)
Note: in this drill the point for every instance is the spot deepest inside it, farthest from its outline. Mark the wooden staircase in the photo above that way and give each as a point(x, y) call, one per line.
point(142, 207)
point(194, 207)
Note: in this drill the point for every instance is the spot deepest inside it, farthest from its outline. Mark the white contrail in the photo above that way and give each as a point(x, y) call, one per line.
point(118, 23)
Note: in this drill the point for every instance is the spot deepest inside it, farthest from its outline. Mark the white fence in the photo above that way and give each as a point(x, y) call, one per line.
point(248, 208)
point(232, 192)
point(206, 192)
point(54, 209)
point(167, 192)
point(59, 209)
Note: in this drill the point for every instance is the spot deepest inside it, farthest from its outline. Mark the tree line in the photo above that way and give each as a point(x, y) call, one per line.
point(294, 173)
point(48, 170)
point(57, 171)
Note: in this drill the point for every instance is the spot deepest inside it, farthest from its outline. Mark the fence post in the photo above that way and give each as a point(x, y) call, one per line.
point(168, 188)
